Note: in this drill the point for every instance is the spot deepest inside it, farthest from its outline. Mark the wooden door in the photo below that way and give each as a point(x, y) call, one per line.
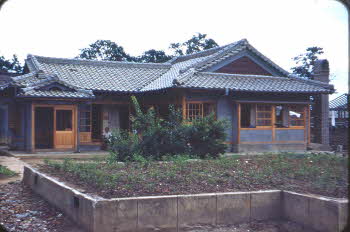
point(64, 119)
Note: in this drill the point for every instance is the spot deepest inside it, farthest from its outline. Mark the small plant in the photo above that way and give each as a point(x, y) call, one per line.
point(6, 172)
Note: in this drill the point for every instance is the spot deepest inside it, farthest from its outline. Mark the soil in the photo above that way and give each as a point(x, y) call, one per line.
point(21, 210)
point(203, 177)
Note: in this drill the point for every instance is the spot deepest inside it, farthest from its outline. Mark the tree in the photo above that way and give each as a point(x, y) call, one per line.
point(197, 43)
point(153, 56)
point(105, 50)
point(306, 61)
point(13, 65)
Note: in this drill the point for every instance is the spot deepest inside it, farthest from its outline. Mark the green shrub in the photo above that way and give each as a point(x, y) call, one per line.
point(6, 172)
point(206, 137)
point(122, 146)
point(154, 138)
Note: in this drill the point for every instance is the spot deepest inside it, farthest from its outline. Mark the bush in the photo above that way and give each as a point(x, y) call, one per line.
point(155, 138)
point(207, 137)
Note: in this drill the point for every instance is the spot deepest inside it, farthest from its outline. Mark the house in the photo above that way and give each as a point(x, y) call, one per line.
point(339, 111)
point(5, 92)
point(70, 103)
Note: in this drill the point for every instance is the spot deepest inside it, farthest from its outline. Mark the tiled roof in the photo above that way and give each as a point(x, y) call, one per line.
point(339, 102)
point(101, 75)
point(56, 94)
point(252, 83)
point(109, 76)
point(5, 79)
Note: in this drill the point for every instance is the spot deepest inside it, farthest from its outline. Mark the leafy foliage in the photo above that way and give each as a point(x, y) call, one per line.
point(111, 51)
point(207, 137)
point(153, 56)
point(197, 43)
point(306, 61)
point(104, 50)
point(156, 138)
point(13, 65)
point(6, 172)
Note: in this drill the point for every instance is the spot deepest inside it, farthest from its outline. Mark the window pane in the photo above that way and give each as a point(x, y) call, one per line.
point(194, 111)
point(263, 115)
point(280, 116)
point(246, 110)
point(296, 115)
point(63, 120)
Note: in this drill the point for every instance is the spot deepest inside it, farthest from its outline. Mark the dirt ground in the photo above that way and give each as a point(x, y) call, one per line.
point(23, 211)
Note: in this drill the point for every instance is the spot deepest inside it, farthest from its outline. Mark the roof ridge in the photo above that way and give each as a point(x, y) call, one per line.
point(242, 75)
point(220, 53)
point(200, 53)
point(318, 83)
point(98, 62)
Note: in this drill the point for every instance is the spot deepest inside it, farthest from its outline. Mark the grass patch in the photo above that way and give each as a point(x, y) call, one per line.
point(309, 173)
point(5, 172)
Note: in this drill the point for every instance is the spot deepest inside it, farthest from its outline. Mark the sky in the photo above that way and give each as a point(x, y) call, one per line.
point(280, 29)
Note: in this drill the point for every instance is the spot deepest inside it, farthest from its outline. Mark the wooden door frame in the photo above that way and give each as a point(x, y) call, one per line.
point(54, 107)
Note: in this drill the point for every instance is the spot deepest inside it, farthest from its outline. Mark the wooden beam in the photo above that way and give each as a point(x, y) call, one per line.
point(273, 123)
point(239, 122)
point(33, 127)
point(309, 125)
point(184, 113)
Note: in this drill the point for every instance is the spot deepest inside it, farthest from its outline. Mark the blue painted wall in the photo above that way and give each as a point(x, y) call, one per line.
point(3, 124)
point(225, 111)
point(256, 136)
point(289, 135)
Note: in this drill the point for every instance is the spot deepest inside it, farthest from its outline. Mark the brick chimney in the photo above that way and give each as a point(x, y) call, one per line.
point(321, 106)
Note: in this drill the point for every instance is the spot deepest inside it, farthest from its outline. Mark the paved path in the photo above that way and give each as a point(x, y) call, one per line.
point(13, 164)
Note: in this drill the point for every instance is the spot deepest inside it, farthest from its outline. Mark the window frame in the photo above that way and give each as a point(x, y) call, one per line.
point(82, 111)
point(303, 119)
point(200, 109)
point(271, 116)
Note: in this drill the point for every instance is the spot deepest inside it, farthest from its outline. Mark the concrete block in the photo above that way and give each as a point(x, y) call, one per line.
point(295, 207)
point(126, 214)
point(157, 213)
point(266, 205)
point(323, 214)
point(233, 208)
point(196, 210)
point(343, 214)
point(105, 218)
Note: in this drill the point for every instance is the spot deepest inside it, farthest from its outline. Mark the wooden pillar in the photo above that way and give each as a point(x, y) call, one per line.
point(273, 123)
point(78, 109)
point(184, 113)
point(308, 125)
point(29, 130)
point(239, 123)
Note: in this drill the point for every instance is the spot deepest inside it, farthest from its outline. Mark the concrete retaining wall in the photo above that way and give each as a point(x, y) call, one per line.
point(180, 212)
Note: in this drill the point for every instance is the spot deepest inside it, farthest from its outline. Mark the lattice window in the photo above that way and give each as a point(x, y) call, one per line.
point(194, 111)
point(296, 116)
point(85, 119)
point(199, 110)
point(263, 115)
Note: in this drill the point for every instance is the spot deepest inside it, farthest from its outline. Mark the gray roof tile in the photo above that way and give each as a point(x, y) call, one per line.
point(339, 102)
point(140, 77)
point(252, 83)
point(56, 94)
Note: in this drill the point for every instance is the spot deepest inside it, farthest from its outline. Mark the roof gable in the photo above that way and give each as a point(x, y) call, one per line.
point(56, 86)
point(242, 65)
